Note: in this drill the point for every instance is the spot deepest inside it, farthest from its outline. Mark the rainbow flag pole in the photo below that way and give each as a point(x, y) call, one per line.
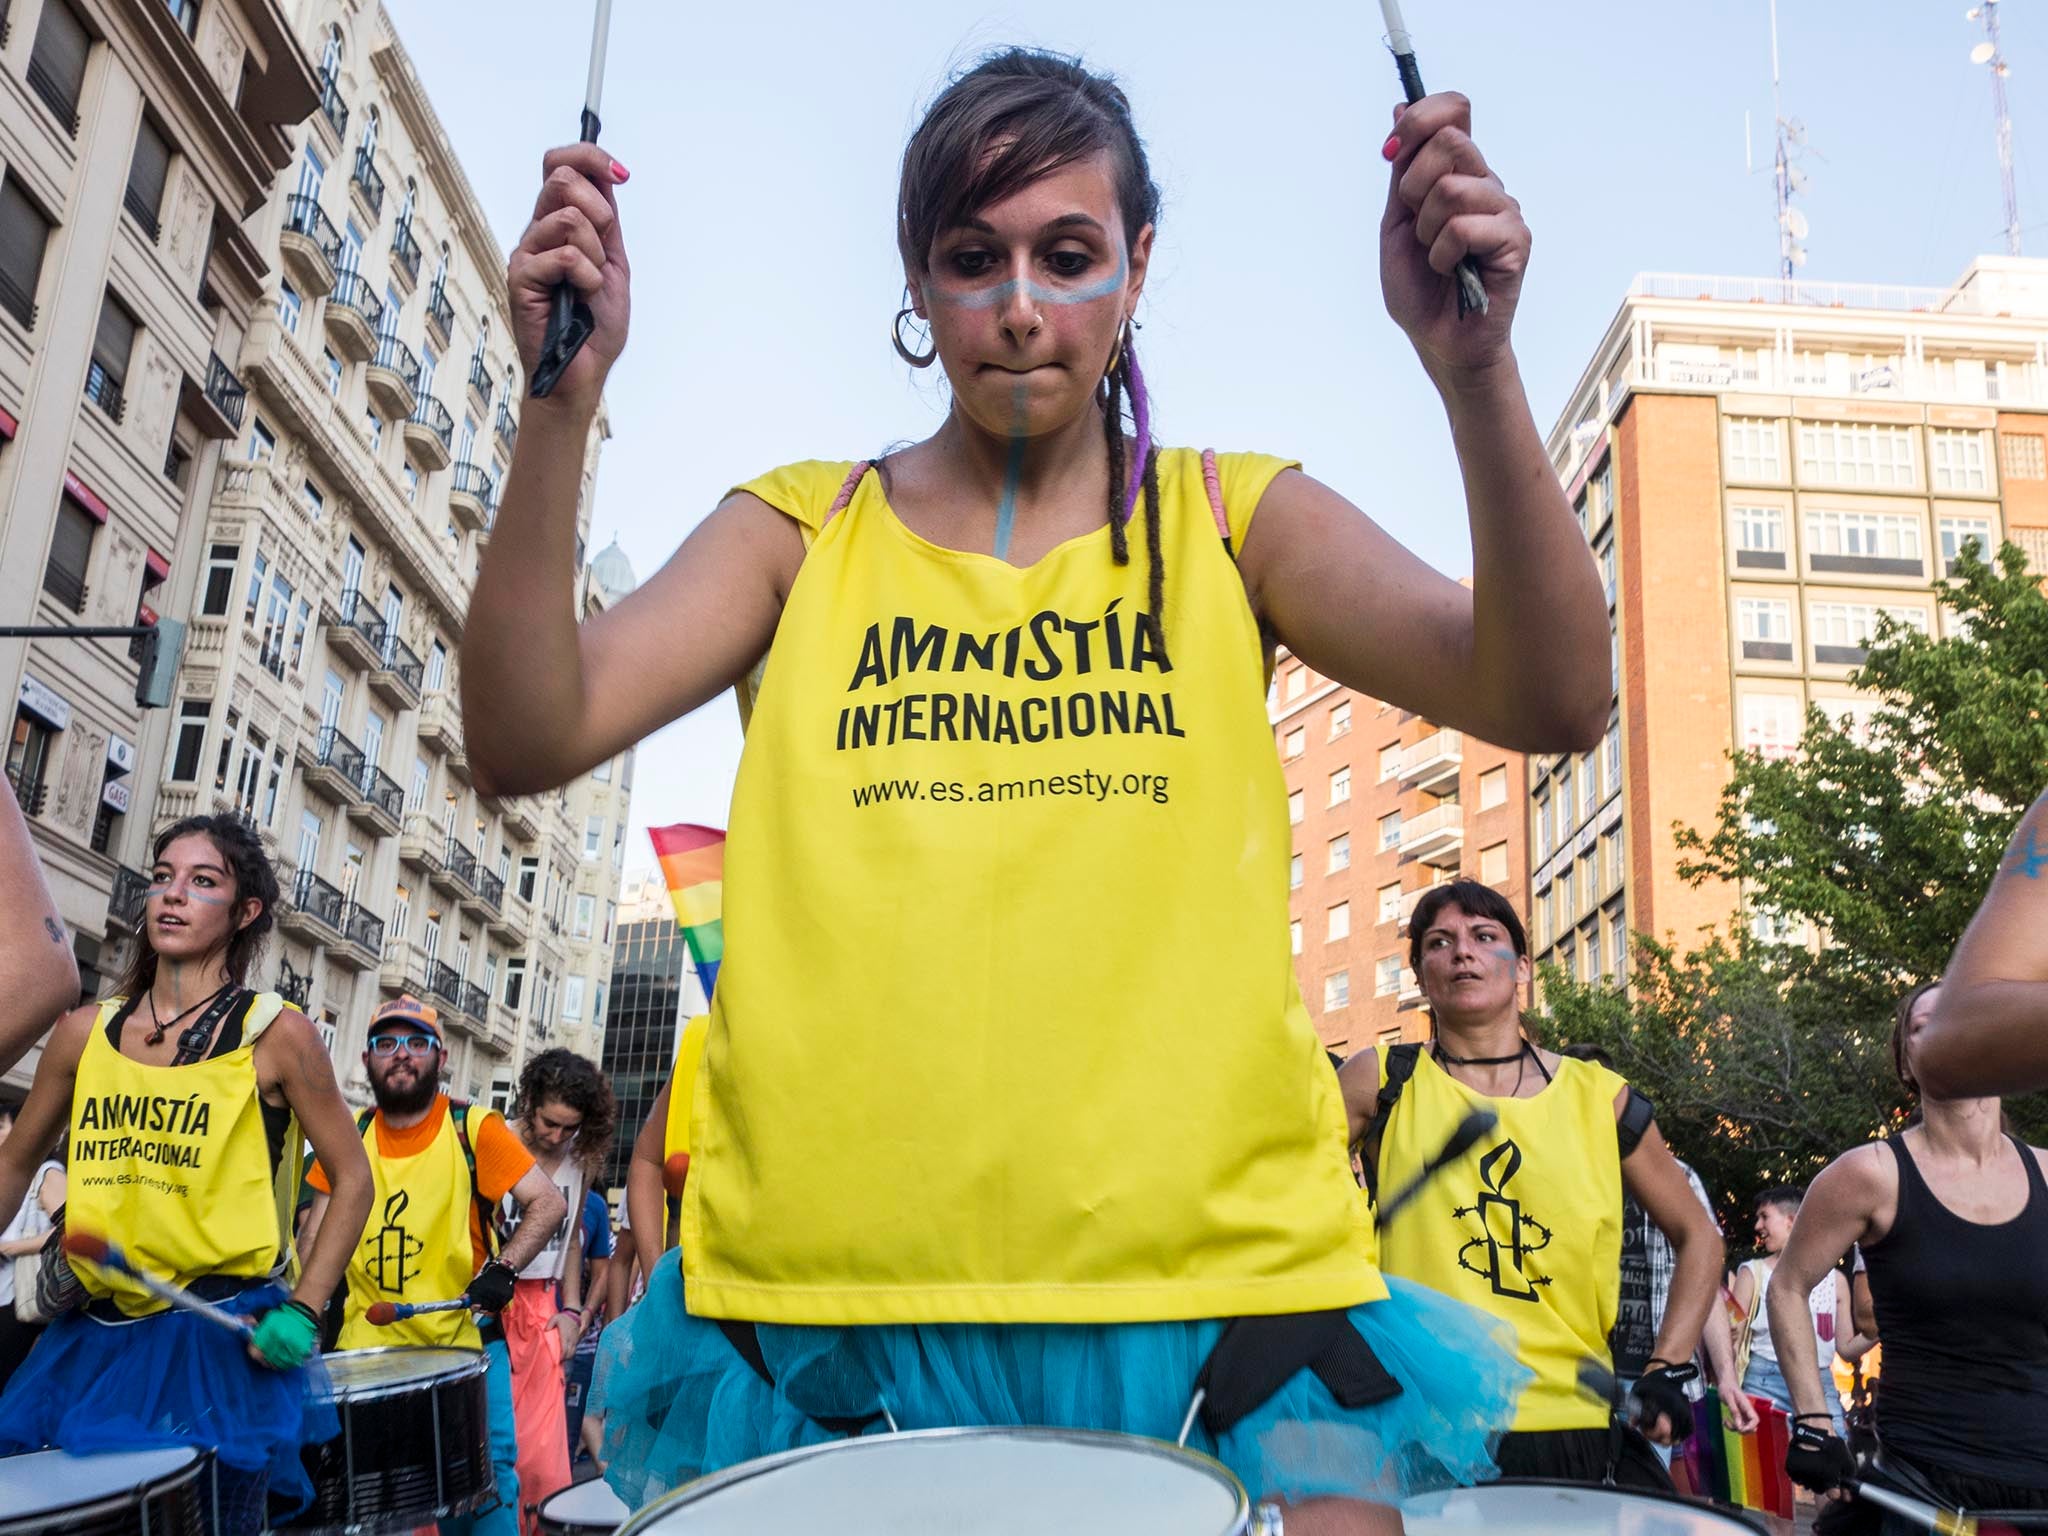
point(693, 866)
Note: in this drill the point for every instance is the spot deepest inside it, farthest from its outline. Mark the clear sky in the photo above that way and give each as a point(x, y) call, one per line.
point(763, 142)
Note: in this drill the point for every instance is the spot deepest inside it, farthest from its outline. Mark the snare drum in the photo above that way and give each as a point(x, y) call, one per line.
point(990, 1482)
point(162, 1492)
point(414, 1446)
point(583, 1510)
point(1567, 1509)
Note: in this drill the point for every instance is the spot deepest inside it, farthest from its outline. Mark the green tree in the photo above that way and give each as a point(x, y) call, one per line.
point(1767, 1059)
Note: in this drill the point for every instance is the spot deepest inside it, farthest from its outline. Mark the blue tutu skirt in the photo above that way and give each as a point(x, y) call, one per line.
point(170, 1379)
point(678, 1400)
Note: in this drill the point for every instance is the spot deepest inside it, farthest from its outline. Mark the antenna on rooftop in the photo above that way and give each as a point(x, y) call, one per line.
point(1992, 52)
point(1787, 177)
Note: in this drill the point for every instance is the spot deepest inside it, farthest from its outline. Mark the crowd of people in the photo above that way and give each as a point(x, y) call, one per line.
point(1007, 1110)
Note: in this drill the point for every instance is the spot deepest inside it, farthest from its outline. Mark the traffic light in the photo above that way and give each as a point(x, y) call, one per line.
point(163, 644)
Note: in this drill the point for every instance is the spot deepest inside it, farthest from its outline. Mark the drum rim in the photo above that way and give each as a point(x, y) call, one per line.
point(1733, 1512)
point(562, 1493)
point(746, 1471)
point(474, 1364)
point(115, 1499)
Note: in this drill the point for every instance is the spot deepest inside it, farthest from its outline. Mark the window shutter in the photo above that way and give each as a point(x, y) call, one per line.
point(23, 234)
point(150, 168)
point(62, 44)
point(114, 339)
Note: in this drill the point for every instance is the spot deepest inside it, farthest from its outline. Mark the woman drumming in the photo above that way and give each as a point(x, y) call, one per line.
point(1008, 840)
point(1952, 1216)
point(185, 1094)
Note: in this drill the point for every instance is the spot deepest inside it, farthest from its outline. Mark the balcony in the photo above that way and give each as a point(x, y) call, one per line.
point(124, 907)
point(383, 803)
point(357, 633)
point(1435, 837)
point(1410, 994)
point(333, 108)
point(334, 767)
point(443, 983)
point(295, 987)
point(367, 187)
point(504, 1027)
point(393, 378)
point(1409, 901)
point(398, 674)
point(440, 723)
point(508, 429)
point(479, 385)
point(104, 390)
point(476, 1002)
point(362, 939)
point(403, 969)
point(461, 865)
point(309, 244)
point(405, 254)
point(429, 433)
point(354, 312)
point(490, 889)
point(313, 910)
point(440, 313)
point(216, 407)
point(470, 497)
point(522, 815)
point(1432, 763)
point(419, 845)
point(439, 874)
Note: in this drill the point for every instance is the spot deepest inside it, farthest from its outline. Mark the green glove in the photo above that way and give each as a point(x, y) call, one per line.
point(285, 1336)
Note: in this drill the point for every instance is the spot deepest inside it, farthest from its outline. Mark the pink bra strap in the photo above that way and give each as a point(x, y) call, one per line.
point(1214, 486)
point(846, 490)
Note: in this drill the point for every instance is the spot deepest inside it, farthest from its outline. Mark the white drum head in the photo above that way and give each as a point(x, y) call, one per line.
point(944, 1482)
point(1555, 1509)
point(361, 1375)
point(44, 1482)
point(590, 1505)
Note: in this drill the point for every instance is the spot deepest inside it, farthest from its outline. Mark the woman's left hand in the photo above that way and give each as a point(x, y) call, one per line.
point(570, 1327)
point(1444, 204)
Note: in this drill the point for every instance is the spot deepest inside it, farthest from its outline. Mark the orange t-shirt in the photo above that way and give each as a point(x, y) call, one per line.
point(501, 1157)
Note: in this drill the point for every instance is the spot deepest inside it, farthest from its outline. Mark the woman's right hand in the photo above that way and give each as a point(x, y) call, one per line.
point(573, 237)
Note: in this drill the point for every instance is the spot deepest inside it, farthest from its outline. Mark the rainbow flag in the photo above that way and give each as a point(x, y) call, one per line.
point(1745, 1470)
point(693, 865)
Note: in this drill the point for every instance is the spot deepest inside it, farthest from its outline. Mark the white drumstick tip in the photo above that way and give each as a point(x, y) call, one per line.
point(1397, 30)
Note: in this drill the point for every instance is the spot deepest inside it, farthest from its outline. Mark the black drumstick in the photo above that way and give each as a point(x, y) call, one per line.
point(569, 319)
point(1462, 1140)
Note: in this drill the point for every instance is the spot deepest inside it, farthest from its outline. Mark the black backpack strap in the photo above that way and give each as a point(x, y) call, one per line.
point(487, 1216)
point(363, 1119)
point(1637, 1113)
point(1257, 1356)
point(1400, 1066)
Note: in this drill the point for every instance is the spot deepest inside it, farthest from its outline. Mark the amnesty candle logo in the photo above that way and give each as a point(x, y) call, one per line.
point(393, 1248)
point(1509, 1235)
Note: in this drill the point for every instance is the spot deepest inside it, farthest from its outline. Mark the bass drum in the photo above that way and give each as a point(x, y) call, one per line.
point(1539, 1508)
point(53, 1493)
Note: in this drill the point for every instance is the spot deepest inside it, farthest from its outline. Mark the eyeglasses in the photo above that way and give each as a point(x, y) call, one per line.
point(412, 1045)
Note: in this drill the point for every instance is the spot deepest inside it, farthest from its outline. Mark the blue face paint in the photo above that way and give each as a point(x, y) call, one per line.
point(1505, 954)
point(1013, 472)
point(1038, 293)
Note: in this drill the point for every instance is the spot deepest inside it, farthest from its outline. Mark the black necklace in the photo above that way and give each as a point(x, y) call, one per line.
point(158, 1027)
point(1479, 1061)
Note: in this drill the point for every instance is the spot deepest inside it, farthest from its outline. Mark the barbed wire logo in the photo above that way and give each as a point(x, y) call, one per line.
point(1510, 1235)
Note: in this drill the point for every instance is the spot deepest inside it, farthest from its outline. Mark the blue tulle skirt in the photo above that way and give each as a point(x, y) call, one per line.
point(678, 1400)
point(166, 1380)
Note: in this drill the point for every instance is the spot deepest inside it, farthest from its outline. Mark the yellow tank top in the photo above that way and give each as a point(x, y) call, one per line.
point(171, 1163)
point(416, 1245)
point(1526, 1226)
point(682, 1085)
point(1007, 1028)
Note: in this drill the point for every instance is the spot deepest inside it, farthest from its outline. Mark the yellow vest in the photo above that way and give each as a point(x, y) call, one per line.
point(1526, 1226)
point(1007, 1027)
point(416, 1246)
point(171, 1164)
point(682, 1087)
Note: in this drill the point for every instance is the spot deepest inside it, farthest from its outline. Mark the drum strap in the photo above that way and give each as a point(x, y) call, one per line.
point(1257, 1356)
point(745, 1338)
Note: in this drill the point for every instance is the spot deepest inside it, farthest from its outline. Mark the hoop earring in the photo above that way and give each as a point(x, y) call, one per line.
point(915, 359)
point(1116, 353)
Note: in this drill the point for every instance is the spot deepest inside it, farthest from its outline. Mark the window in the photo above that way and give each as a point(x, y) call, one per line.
point(529, 875)
point(2023, 455)
point(1561, 800)
point(191, 737)
point(219, 589)
point(1493, 788)
point(1296, 807)
point(1340, 719)
point(1386, 976)
point(270, 790)
point(1765, 624)
point(1755, 449)
point(1770, 926)
point(1340, 853)
point(1294, 873)
point(186, 14)
point(1336, 990)
point(330, 365)
point(310, 829)
point(1958, 531)
point(288, 307)
point(262, 441)
point(515, 981)
point(412, 482)
point(1493, 864)
point(437, 667)
point(1390, 831)
point(1607, 570)
point(1297, 742)
point(1294, 937)
point(1615, 854)
point(1771, 724)
point(1758, 534)
point(572, 998)
point(1589, 787)
point(24, 233)
point(1957, 460)
point(148, 170)
point(373, 428)
point(1543, 839)
point(1339, 925)
point(314, 503)
point(602, 773)
point(70, 553)
point(1390, 761)
point(113, 343)
point(1610, 757)
point(1841, 632)
point(1855, 453)
point(593, 836)
point(1617, 934)
point(1389, 909)
point(28, 757)
point(56, 64)
point(586, 916)
point(416, 796)
point(1594, 969)
point(1562, 890)
point(1340, 786)
point(1297, 683)
point(1886, 541)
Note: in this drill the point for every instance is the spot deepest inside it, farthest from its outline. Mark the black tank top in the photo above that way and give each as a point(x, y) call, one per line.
point(1962, 1309)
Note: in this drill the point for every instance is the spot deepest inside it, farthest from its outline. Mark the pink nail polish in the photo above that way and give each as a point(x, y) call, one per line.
point(619, 172)
point(1392, 147)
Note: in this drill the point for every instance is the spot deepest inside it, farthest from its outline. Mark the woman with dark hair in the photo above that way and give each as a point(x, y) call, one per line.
point(1008, 838)
point(1951, 1215)
point(1527, 1224)
point(185, 1094)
